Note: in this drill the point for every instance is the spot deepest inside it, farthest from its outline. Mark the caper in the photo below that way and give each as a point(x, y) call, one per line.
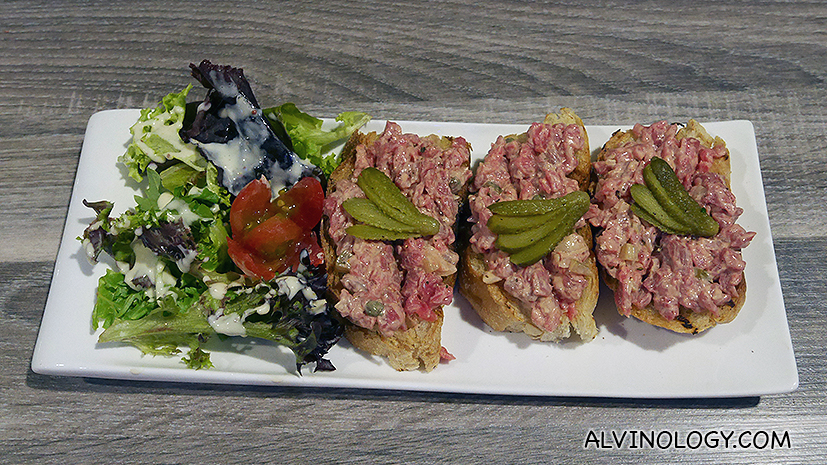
point(374, 308)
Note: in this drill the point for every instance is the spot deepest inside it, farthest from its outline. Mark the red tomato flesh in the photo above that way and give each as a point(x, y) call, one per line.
point(303, 203)
point(271, 238)
point(251, 264)
point(269, 235)
point(251, 207)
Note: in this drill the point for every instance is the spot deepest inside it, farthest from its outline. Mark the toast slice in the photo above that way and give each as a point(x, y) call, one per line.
point(685, 320)
point(486, 290)
point(416, 343)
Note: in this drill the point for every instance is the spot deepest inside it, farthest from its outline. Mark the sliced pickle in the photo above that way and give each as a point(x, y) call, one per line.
point(543, 247)
point(372, 233)
point(499, 224)
point(690, 211)
point(664, 198)
point(367, 212)
point(646, 216)
point(654, 213)
point(535, 206)
point(513, 242)
point(575, 201)
point(382, 191)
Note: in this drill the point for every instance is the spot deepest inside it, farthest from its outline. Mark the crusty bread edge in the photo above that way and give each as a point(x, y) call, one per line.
point(420, 345)
point(687, 321)
point(502, 312)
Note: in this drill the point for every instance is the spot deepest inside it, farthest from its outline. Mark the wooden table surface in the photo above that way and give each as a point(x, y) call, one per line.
point(492, 62)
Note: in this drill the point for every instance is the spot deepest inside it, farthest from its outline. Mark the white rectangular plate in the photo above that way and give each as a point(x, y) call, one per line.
point(751, 356)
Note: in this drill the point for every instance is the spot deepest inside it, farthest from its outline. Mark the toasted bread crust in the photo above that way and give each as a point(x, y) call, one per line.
point(502, 312)
point(420, 345)
point(687, 321)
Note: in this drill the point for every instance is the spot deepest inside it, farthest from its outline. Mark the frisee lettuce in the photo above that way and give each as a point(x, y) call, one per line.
point(155, 137)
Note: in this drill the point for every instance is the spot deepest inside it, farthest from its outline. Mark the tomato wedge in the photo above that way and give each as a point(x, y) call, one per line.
point(269, 235)
point(252, 264)
point(303, 203)
point(251, 207)
point(272, 238)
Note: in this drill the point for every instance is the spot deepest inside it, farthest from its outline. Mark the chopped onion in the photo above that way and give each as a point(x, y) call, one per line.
point(578, 267)
point(489, 278)
point(342, 261)
point(628, 252)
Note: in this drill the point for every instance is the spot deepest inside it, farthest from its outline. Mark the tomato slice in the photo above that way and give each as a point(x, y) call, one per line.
point(272, 238)
point(303, 203)
point(268, 236)
point(251, 207)
point(252, 264)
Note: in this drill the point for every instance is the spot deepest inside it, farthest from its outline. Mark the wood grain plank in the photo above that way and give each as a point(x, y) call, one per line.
point(486, 62)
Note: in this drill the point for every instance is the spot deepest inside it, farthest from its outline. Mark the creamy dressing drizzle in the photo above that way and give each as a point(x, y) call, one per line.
point(239, 157)
point(230, 325)
point(167, 201)
point(166, 126)
point(148, 265)
point(289, 286)
point(218, 290)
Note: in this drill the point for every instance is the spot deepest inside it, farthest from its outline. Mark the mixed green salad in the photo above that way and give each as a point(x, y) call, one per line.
point(223, 238)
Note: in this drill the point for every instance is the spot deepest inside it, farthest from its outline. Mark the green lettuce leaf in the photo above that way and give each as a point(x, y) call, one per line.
point(155, 137)
point(117, 301)
point(173, 242)
point(172, 322)
point(181, 318)
point(309, 140)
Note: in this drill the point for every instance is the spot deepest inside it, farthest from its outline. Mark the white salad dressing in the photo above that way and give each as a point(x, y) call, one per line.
point(148, 265)
point(240, 156)
point(218, 290)
point(317, 307)
point(167, 201)
point(166, 127)
point(289, 286)
point(185, 262)
point(87, 244)
point(230, 325)
point(262, 309)
point(309, 294)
